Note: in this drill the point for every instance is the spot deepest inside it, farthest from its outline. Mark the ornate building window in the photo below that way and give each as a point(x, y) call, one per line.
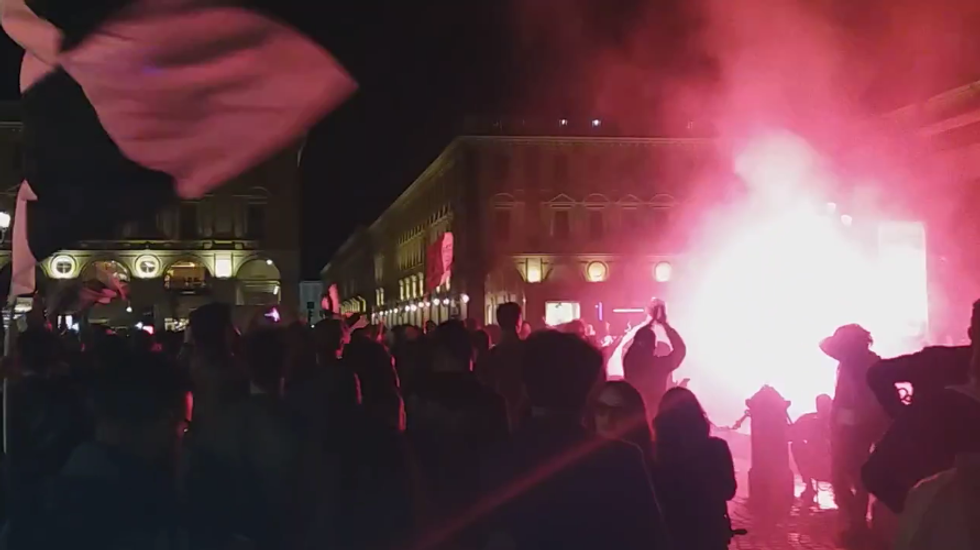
point(379, 268)
point(561, 224)
point(187, 276)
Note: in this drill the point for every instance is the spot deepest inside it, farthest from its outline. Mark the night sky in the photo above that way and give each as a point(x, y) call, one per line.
point(419, 67)
point(424, 65)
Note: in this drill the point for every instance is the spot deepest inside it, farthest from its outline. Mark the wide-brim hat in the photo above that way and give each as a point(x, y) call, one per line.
point(845, 339)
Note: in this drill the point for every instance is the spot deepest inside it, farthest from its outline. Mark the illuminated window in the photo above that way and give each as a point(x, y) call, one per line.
point(534, 274)
point(561, 224)
point(223, 267)
point(559, 313)
point(186, 276)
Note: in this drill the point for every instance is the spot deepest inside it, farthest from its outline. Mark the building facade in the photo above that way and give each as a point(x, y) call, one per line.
point(239, 245)
point(579, 224)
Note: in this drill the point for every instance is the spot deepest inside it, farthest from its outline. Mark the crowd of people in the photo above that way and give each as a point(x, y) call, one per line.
point(356, 437)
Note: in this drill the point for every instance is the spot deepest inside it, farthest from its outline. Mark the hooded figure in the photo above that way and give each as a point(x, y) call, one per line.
point(130, 105)
point(856, 423)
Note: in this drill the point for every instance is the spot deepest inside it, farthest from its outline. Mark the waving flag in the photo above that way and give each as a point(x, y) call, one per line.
point(133, 104)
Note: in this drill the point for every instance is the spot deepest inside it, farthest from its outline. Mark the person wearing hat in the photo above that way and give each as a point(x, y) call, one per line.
point(856, 423)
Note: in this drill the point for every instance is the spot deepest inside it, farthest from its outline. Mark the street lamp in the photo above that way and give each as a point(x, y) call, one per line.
point(4, 225)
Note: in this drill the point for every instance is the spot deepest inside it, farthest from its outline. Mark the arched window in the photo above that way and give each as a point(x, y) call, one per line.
point(259, 283)
point(187, 276)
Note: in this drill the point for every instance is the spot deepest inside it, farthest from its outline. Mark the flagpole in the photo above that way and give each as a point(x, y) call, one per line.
point(8, 320)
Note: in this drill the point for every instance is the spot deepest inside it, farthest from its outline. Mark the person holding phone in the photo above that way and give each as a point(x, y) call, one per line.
point(649, 373)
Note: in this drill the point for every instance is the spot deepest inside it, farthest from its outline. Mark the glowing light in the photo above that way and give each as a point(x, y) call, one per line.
point(662, 272)
point(596, 272)
point(4, 221)
point(846, 220)
point(533, 274)
point(414, 307)
point(147, 267)
point(775, 275)
point(596, 123)
point(222, 267)
point(139, 326)
point(129, 309)
point(559, 313)
point(273, 315)
point(437, 301)
point(74, 327)
point(465, 298)
point(563, 122)
point(268, 262)
point(63, 267)
point(629, 310)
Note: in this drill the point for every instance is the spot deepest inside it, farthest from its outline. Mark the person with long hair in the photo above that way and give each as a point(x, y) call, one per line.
point(693, 473)
point(619, 412)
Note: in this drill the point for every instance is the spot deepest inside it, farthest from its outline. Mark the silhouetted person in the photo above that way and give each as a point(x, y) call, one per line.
point(810, 445)
point(453, 422)
point(501, 370)
point(857, 421)
point(218, 378)
point(46, 420)
point(251, 478)
point(928, 371)
point(927, 437)
point(380, 482)
point(480, 340)
point(118, 491)
point(648, 372)
point(557, 485)
point(619, 412)
point(695, 475)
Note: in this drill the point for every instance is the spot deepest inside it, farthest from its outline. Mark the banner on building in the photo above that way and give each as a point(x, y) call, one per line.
point(439, 262)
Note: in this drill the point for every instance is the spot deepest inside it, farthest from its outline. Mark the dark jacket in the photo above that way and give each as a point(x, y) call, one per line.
point(453, 421)
point(47, 421)
point(928, 371)
point(923, 441)
point(103, 499)
point(694, 487)
point(558, 486)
